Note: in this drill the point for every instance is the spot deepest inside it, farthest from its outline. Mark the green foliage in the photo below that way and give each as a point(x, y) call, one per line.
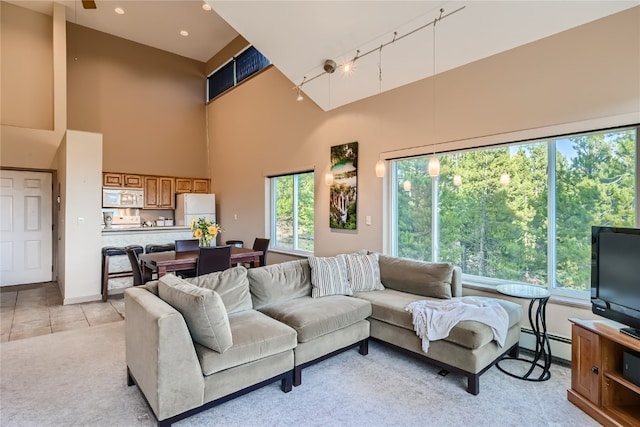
point(343, 153)
point(342, 207)
point(500, 231)
point(290, 214)
point(306, 207)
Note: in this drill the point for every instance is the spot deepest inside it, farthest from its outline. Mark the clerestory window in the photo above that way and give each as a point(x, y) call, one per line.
point(240, 67)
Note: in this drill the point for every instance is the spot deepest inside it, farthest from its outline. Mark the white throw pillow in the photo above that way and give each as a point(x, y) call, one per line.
point(202, 309)
point(364, 272)
point(329, 276)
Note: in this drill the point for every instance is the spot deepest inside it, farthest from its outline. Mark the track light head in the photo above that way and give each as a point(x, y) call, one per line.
point(330, 66)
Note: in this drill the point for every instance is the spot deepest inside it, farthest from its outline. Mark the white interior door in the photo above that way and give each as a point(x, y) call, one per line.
point(25, 227)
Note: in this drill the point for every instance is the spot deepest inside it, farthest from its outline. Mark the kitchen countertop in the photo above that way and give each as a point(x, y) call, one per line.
point(157, 229)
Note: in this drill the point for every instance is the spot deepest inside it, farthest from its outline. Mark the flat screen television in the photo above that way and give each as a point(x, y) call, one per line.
point(615, 276)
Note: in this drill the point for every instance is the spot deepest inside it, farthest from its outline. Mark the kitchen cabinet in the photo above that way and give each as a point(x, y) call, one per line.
point(184, 185)
point(159, 192)
point(597, 384)
point(200, 185)
point(121, 180)
point(192, 185)
point(132, 181)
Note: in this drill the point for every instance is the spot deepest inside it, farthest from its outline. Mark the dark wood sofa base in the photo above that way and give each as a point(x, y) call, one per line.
point(363, 349)
point(286, 386)
point(473, 379)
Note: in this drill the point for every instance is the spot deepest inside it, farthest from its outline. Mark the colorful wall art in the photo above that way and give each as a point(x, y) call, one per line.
point(344, 190)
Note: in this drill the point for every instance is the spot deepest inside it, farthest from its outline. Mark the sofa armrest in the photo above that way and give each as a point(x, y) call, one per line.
point(456, 282)
point(160, 354)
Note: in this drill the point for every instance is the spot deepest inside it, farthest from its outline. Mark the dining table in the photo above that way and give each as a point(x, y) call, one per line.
point(170, 261)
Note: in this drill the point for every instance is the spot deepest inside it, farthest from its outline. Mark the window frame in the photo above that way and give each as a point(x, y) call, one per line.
point(271, 191)
point(550, 141)
point(233, 61)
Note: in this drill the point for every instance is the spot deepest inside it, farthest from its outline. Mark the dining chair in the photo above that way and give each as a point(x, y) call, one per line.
point(187, 245)
point(212, 259)
point(261, 244)
point(132, 252)
point(237, 243)
point(153, 248)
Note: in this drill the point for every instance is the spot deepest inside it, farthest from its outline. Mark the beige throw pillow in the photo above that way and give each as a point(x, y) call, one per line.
point(364, 272)
point(231, 284)
point(202, 309)
point(329, 276)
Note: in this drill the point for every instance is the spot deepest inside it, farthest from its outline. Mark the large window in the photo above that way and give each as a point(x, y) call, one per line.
point(521, 212)
point(292, 217)
point(238, 68)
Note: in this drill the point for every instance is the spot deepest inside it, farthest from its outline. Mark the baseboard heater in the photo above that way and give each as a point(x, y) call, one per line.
point(560, 340)
point(552, 337)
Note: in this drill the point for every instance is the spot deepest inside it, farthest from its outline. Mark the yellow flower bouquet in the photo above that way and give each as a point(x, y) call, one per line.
point(205, 230)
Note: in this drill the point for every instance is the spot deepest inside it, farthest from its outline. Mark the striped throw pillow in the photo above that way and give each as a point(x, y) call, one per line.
point(329, 276)
point(364, 272)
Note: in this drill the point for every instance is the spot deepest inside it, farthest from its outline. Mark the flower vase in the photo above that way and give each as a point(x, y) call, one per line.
point(204, 243)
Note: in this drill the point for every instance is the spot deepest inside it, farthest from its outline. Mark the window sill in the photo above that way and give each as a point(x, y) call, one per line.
point(565, 300)
point(291, 252)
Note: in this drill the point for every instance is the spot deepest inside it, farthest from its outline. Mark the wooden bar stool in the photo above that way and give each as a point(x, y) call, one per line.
point(109, 251)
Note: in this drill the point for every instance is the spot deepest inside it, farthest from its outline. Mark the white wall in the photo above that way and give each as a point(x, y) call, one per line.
point(81, 198)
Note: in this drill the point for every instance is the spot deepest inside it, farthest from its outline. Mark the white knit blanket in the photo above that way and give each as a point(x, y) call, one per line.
point(433, 320)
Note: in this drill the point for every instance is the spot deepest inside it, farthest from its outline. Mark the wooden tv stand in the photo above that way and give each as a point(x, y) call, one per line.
point(597, 385)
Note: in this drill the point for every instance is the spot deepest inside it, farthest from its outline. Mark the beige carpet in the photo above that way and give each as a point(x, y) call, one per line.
point(78, 378)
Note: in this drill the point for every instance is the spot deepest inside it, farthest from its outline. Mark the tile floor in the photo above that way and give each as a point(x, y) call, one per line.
point(31, 310)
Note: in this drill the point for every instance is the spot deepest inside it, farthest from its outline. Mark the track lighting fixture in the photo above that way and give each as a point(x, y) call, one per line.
point(298, 90)
point(330, 65)
point(347, 67)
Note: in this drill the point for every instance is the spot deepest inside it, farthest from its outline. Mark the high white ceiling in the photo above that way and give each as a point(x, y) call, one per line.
point(155, 23)
point(298, 36)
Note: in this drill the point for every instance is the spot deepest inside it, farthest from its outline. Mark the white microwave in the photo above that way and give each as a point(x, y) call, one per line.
point(122, 198)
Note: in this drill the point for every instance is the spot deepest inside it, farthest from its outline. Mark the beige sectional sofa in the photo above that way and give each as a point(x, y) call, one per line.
point(185, 356)
point(470, 348)
point(324, 325)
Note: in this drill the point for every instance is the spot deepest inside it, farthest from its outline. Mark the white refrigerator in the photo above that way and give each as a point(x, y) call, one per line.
point(193, 206)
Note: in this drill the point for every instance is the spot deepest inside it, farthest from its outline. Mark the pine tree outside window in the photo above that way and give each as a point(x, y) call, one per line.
point(520, 212)
point(292, 212)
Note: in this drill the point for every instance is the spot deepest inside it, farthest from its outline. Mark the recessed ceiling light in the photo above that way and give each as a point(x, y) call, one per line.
point(184, 33)
point(119, 10)
point(206, 7)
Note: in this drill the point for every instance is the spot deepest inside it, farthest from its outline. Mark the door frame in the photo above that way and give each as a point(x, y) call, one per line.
point(55, 211)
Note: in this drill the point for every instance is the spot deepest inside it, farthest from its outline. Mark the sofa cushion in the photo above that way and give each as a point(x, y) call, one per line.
point(231, 284)
point(389, 306)
point(364, 272)
point(279, 282)
point(429, 279)
point(151, 286)
point(202, 309)
point(255, 336)
point(329, 276)
point(314, 317)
